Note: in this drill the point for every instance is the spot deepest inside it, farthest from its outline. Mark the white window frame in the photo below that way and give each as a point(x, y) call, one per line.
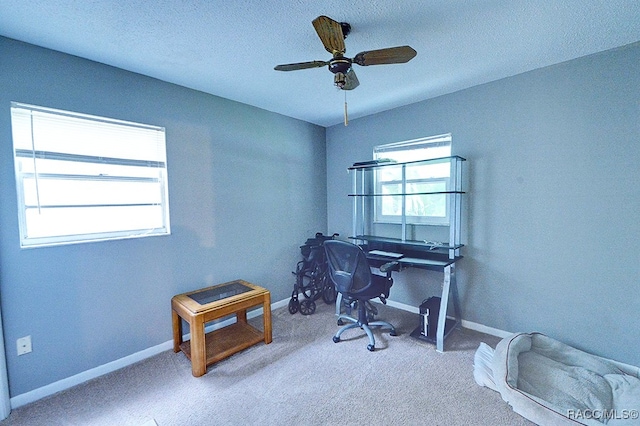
point(83, 178)
point(407, 152)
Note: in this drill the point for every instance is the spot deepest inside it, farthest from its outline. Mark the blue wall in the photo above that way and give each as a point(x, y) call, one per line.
point(246, 188)
point(551, 217)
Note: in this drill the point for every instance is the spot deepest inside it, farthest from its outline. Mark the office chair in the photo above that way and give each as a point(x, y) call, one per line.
point(351, 273)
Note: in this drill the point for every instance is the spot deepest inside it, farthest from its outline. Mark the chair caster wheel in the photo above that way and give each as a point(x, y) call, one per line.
point(340, 322)
point(336, 339)
point(393, 333)
point(371, 348)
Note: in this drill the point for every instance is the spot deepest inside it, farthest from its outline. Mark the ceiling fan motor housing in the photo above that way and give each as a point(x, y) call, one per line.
point(339, 64)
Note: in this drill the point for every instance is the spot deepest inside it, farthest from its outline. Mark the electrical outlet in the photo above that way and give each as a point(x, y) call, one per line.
point(24, 345)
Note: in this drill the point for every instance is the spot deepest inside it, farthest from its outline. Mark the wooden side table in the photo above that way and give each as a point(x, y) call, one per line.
point(202, 306)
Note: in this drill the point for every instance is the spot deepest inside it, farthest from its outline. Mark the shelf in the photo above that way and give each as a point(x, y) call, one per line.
point(428, 245)
point(375, 165)
point(407, 194)
point(226, 341)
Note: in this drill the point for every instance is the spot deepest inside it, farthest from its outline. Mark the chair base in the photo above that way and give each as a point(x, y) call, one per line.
point(371, 311)
point(367, 329)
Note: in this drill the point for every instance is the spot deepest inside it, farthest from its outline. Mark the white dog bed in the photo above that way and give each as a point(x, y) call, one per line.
point(551, 383)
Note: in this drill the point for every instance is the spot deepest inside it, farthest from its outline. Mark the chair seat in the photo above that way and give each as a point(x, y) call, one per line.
point(379, 286)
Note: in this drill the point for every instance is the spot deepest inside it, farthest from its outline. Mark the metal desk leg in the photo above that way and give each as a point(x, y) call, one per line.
point(449, 286)
point(456, 299)
point(442, 315)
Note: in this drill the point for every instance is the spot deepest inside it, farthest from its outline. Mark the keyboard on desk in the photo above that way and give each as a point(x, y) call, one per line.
point(388, 254)
point(415, 261)
point(427, 262)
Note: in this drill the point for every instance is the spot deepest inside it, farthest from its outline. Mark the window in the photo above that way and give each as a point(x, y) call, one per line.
point(84, 178)
point(429, 209)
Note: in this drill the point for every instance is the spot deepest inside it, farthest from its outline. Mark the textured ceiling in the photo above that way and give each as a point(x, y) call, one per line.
point(229, 48)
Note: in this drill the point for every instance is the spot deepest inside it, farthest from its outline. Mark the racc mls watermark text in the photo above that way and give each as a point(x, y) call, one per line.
point(603, 415)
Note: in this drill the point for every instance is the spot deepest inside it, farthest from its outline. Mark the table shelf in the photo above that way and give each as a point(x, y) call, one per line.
point(226, 341)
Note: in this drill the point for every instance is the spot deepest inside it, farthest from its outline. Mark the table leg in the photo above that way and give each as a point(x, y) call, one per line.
point(198, 347)
point(266, 318)
point(241, 316)
point(177, 330)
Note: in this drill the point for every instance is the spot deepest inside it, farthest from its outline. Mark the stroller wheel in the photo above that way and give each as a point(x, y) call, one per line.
point(294, 305)
point(307, 307)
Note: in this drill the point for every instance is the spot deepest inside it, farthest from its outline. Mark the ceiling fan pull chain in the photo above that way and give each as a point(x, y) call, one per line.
point(346, 116)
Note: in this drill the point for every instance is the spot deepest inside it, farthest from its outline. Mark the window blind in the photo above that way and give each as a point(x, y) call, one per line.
point(85, 178)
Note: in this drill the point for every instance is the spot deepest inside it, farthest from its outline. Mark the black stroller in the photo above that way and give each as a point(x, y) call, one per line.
point(312, 277)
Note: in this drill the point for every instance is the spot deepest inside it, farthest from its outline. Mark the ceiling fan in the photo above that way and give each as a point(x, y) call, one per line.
point(332, 35)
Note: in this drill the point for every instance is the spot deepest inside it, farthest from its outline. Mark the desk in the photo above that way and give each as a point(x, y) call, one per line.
point(368, 195)
point(421, 255)
point(201, 306)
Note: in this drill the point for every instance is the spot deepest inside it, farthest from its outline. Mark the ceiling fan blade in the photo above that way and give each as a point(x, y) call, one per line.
point(300, 66)
point(330, 33)
point(391, 55)
point(351, 80)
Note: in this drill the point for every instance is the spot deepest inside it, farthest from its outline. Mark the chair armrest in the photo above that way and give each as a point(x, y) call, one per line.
point(389, 266)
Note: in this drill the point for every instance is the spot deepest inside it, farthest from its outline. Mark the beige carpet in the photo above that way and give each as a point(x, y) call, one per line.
point(302, 378)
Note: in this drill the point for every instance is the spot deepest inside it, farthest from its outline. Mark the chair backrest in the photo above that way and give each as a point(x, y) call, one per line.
point(348, 266)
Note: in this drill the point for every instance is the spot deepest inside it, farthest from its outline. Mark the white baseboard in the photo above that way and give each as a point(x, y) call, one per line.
point(60, 385)
point(485, 329)
point(403, 306)
point(466, 324)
